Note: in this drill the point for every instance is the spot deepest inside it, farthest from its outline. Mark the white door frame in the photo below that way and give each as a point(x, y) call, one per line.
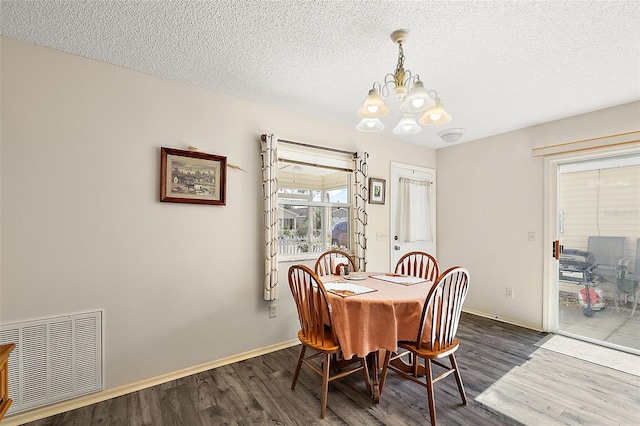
point(393, 200)
point(550, 309)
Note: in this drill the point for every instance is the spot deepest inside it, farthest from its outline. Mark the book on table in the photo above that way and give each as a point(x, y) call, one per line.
point(346, 289)
point(399, 278)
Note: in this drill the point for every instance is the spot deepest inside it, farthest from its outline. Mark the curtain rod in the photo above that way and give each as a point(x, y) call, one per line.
point(264, 136)
point(416, 180)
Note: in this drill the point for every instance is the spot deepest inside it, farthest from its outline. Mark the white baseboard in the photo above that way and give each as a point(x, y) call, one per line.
point(72, 404)
point(502, 319)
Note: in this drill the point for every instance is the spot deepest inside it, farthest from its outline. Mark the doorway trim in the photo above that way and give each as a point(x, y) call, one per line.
point(550, 309)
point(392, 197)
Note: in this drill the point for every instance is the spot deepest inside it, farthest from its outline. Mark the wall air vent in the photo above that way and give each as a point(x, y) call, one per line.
point(54, 359)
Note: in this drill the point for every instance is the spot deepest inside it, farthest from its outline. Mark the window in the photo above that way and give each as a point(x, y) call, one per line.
point(314, 209)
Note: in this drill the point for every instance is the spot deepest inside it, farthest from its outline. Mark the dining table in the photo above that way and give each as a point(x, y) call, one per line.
point(371, 312)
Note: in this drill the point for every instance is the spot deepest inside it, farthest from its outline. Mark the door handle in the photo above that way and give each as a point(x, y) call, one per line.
point(557, 249)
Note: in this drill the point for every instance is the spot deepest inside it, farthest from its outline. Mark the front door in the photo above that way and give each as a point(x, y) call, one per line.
point(413, 210)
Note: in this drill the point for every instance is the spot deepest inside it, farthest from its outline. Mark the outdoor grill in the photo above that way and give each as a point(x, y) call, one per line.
point(578, 266)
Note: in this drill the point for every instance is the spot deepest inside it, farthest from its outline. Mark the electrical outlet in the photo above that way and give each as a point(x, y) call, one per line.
point(532, 236)
point(273, 311)
point(511, 293)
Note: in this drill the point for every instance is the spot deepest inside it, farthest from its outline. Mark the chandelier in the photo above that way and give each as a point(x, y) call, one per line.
point(414, 98)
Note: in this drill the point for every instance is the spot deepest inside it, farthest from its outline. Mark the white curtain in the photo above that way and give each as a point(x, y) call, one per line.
point(360, 216)
point(414, 216)
point(269, 155)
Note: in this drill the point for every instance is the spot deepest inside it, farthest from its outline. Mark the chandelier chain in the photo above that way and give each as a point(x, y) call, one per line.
point(400, 66)
point(398, 76)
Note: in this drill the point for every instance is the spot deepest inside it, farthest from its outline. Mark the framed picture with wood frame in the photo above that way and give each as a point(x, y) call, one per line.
point(192, 177)
point(376, 191)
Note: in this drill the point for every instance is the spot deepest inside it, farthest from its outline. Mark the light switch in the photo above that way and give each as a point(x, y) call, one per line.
point(382, 236)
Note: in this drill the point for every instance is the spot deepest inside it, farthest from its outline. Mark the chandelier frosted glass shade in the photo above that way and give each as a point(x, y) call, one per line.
point(418, 99)
point(373, 106)
point(370, 125)
point(414, 99)
point(436, 115)
point(407, 126)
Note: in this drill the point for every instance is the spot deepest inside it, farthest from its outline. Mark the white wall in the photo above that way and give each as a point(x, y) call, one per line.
point(490, 196)
point(82, 227)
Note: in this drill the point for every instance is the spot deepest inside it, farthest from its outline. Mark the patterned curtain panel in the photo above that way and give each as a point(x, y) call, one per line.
point(360, 217)
point(414, 218)
point(269, 155)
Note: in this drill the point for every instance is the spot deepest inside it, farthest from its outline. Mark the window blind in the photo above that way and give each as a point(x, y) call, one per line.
point(315, 156)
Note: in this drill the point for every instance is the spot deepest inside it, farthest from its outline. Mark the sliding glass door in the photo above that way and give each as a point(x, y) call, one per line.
point(598, 229)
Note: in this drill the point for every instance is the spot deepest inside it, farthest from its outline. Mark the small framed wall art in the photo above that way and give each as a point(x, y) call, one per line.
point(192, 177)
point(376, 191)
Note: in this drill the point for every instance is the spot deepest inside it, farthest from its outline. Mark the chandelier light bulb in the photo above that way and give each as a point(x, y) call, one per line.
point(436, 115)
point(370, 125)
point(418, 100)
point(373, 106)
point(407, 126)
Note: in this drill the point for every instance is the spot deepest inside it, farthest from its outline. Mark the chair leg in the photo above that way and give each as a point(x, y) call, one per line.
point(297, 372)
point(429, 379)
point(325, 384)
point(385, 365)
point(636, 293)
point(336, 359)
point(367, 378)
point(454, 364)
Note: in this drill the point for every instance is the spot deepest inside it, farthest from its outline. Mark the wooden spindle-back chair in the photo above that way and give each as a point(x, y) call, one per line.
point(436, 334)
point(327, 262)
point(418, 264)
point(316, 330)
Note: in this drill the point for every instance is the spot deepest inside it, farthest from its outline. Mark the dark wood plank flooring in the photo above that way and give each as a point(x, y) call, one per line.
point(509, 381)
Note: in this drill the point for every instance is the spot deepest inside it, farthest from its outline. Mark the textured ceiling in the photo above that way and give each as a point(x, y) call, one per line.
point(497, 65)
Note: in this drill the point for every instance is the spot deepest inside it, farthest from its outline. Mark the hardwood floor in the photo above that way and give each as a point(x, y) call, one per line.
point(508, 380)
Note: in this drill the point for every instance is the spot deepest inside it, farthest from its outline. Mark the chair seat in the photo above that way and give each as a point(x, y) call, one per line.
point(632, 276)
point(426, 352)
point(605, 271)
point(324, 345)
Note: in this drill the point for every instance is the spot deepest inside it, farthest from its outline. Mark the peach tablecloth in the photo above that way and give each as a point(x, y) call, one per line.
point(371, 321)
